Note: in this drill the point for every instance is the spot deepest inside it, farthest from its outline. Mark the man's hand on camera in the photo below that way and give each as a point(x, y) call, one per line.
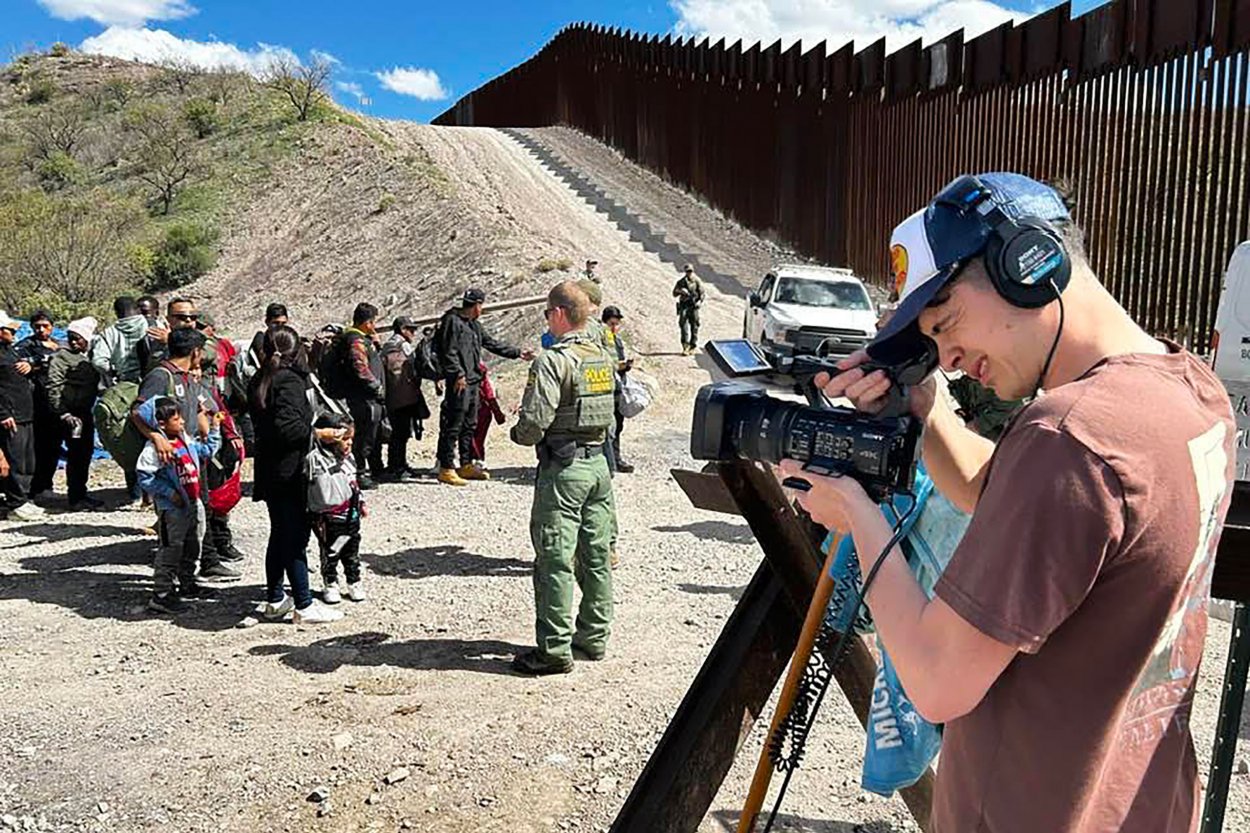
point(867, 392)
point(832, 501)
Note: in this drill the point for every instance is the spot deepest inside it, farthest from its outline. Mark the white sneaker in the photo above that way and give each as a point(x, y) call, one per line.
point(331, 595)
point(356, 592)
point(27, 512)
point(277, 611)
point(317, 614)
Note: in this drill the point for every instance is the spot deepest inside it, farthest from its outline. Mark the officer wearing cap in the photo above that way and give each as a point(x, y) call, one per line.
point(689, 294)
point(459, 341)
point(567, 412)
point(589, 271)
point(617, 350)
point(1065, 635)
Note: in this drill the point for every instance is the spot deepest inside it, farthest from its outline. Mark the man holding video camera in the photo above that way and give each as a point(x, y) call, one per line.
point(1062, 645)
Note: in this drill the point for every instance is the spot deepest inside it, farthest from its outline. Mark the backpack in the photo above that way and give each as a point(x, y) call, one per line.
point(239, 372)
point(425, 359)
point(118, 435)
point(327, 355)
point(223, 473)
point(403, 386)
point(329, 478)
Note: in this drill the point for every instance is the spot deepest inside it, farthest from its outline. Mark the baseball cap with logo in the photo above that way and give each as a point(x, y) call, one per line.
point(929, 248)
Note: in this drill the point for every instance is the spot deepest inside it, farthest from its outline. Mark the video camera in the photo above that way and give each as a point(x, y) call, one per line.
point(739, 419)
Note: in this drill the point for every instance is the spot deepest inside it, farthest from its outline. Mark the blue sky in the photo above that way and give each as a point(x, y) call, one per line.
point(413, 59)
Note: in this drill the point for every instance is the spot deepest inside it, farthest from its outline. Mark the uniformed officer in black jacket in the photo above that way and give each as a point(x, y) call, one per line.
point(459, 341)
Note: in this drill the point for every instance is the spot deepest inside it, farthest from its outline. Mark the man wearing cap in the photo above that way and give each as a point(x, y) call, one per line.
point(406, 408)
point(459, 341)
point(1062, 645)
point(612, 322)
point(37, 350)
point(72, 384)
point(566, 413)
point(689, 294)
point(589, 272)
point(17, 435)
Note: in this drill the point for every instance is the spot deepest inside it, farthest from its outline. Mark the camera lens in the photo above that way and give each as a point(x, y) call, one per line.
point(734, 420)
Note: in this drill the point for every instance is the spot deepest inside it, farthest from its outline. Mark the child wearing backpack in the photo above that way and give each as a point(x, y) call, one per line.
point(337, 505)
point(175, 490)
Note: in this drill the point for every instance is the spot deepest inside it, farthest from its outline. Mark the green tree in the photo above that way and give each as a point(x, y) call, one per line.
point(165, 157)
point(304, 85)
point(73, 249)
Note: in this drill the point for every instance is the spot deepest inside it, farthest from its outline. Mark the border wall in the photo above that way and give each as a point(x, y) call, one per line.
point(1141, 108)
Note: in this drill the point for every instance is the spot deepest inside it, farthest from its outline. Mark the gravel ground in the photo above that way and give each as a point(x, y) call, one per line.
point(405, 713)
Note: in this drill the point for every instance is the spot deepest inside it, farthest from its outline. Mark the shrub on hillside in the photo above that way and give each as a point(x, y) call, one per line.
point(40, 91)
point(59, 50)
point(119, 90)
point(57, 171)
point(187, 251)
point(141, 262)
point(202, 117)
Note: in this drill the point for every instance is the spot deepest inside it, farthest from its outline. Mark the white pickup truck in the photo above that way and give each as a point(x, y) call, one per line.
point(810, 309)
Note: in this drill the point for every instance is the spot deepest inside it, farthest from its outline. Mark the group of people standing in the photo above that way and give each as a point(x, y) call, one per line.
point(47, 390)
point(196, 405)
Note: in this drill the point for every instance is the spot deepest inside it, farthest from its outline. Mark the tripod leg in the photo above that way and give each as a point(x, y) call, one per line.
point(807, 639)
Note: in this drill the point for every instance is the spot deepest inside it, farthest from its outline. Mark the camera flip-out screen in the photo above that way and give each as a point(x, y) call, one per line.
point(738, 357)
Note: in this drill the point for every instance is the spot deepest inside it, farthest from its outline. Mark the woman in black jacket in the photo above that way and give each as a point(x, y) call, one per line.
point(283, 420)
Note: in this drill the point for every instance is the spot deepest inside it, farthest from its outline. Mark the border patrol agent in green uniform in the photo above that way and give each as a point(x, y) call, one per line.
point(567, 411)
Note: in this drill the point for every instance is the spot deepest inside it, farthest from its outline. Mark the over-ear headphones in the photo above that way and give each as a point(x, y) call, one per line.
point(1025, 258)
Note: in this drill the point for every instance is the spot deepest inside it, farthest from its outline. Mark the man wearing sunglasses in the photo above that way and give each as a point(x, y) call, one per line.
point(1061, 647)
point(154, 348)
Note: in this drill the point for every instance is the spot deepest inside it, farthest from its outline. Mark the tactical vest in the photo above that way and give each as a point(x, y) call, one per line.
point(590, 411)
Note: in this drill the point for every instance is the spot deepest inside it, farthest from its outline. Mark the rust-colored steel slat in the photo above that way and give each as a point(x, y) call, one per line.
point(1121, 102)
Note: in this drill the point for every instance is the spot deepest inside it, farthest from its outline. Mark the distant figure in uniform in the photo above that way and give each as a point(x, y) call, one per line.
point(689, 294)
point(567, 412)
point(589, 271)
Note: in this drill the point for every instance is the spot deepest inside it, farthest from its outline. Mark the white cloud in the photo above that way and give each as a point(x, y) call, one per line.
point(838, 21)
point(318, 55)
point(418, 83)
point(156, 45)
point(350, 87)
point(118, 12)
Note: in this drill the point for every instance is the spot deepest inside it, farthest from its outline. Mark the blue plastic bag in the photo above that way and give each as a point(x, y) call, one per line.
point(900, 744)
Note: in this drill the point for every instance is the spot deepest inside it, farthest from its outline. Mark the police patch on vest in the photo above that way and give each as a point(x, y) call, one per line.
point(598, 379)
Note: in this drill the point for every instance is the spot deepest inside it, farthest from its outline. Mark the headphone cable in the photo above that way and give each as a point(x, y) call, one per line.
point(1054, 345)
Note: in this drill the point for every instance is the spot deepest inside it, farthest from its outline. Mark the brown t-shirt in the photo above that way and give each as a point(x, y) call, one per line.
point(1091, 552)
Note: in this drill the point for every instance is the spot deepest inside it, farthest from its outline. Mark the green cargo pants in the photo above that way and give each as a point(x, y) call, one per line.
point(688, 323)
point(573, 505)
